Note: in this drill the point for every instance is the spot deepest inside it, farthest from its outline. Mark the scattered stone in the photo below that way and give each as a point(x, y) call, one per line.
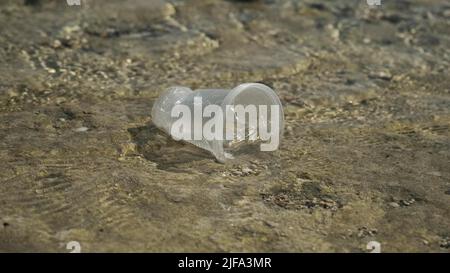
point(301, 200)
point(56, 44)
point(383, 75)
point(244, 170)
point(394, 205)
point(334, 32)
point(60, 100)
point(247, 170)
point(236, 172)
point(289, 130)
point(445, 243)
point(365, 231)
point(407, 202)
point(81, 129)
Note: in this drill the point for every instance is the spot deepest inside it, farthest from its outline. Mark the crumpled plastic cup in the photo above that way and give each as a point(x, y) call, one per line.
point(245, 94)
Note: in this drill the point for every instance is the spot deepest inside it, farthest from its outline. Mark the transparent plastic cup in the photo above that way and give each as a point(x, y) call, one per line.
point(245, 94)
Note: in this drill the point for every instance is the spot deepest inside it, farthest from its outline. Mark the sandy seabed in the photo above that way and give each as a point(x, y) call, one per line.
point(365, 154)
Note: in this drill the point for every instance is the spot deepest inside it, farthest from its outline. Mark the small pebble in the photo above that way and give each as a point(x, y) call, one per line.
point(445, 242)
point(236, 172)
point(246, 170)
point(383, 75)
point(408, 202)
point(81, 129)
point(365, 231)
point(394, 204)
point(56, 44)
